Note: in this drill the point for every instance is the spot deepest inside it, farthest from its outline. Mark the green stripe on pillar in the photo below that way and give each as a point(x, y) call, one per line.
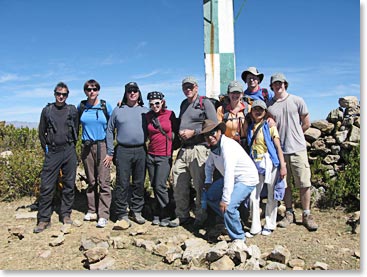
point(211, 34)
point(227, 72)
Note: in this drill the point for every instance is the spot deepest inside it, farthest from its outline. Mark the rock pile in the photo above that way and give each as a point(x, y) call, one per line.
point(190, 253)
point(332, 139)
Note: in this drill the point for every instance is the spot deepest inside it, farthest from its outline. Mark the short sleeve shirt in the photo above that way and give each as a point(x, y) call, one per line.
point(287, 115)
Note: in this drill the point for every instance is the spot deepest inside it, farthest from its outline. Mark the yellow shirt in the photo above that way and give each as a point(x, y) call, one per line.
point(259, 144)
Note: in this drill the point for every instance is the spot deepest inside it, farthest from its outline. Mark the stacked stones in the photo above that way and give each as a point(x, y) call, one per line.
point(332, 139)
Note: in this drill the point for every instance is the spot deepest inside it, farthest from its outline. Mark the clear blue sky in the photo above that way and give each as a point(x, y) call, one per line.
point(315, 43)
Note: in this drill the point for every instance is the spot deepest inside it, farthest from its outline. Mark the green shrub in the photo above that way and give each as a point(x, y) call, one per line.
point(20, 172)
point(345, 191)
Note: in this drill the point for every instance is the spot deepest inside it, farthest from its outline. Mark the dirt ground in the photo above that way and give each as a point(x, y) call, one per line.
point(333, 243)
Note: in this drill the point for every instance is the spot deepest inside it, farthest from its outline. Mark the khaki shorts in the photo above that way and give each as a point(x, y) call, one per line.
point(298, 168)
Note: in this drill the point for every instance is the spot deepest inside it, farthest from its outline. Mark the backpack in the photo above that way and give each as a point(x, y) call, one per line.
point(215, 102)
point(103, 107)
point(224, 101)
point(264, 93)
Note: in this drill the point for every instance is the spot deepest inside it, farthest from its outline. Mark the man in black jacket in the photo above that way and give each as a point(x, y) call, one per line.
point(58, 133)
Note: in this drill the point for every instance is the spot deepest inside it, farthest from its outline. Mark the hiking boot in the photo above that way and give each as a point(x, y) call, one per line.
point(136, 217)
point(288, 219)
point(156, 220)
point(182, 221)
point(90, 217)
point(122, 224)
point(168, 223)
point(309, 223)
point(102, 222)
point(200, 219)
point(41, 226)
point(67, 220)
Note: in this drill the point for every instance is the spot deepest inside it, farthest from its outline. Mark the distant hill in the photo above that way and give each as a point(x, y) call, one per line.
point(20, 124)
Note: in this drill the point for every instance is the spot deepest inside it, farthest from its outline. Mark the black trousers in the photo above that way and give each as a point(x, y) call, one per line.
point(63, 158)
point(130, 162)
point(159, 168)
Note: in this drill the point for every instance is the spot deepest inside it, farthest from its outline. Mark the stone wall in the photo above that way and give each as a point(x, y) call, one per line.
point(332, 139)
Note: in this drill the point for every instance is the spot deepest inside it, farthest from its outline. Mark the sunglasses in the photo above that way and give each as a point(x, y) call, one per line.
point(188, 86)
point(61, 94)
point(131, 90)
point(91, 89)
point(212, 133)
point(155, 104)
point(253, 77)
point(277, 83)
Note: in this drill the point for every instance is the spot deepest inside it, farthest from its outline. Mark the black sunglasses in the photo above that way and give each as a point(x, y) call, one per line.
point(212, 133)
point(188, 86)
point(61, 94)
point(131, 90)
point(91, 89)
point(154, 104)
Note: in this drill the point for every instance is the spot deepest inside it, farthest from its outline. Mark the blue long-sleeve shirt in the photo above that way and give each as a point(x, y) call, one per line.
point(94, 122)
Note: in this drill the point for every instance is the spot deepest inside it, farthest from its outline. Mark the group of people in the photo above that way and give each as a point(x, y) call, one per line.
point(253, 139)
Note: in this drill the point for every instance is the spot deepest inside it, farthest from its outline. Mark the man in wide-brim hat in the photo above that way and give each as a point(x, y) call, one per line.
point(253, 78)
point(240, 177)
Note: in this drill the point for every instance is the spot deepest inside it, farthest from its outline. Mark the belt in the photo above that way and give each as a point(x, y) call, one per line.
point(131, 146)
point(58, 148)
point(90, 142)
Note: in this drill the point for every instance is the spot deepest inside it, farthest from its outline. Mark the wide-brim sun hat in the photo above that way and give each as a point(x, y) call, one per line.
point(253, 70)
point(210, 125)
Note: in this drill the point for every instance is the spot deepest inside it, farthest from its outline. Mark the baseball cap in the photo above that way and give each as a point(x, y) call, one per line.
point(234, 86)
point(259, 103)
point(278, 77)
point(190, 80)
point(131, 85)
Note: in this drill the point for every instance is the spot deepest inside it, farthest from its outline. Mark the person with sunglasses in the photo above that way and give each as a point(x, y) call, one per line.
point(94, 150)
point(188, 169)
point(225, 195)
point(58, 134)
point(162, 125)
point(128, 125)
